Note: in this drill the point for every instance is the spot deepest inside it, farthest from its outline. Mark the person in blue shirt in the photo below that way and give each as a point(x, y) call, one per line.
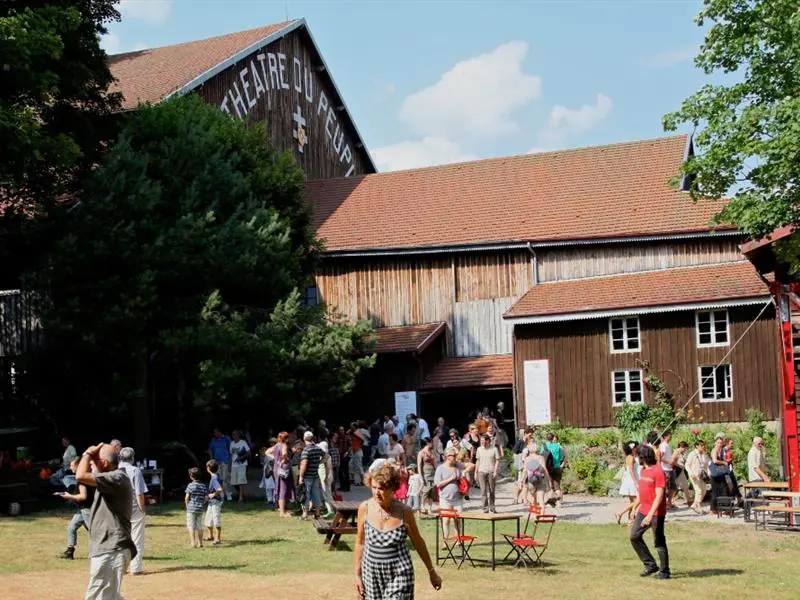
point(219, 449)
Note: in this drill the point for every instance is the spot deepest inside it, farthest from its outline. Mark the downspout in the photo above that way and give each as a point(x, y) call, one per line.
point(535, 266)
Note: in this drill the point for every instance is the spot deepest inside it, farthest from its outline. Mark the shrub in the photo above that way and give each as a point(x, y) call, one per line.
point(583, 466)
point(603, 438)
point(600, 482)
point(566, 435)
point(632, 420)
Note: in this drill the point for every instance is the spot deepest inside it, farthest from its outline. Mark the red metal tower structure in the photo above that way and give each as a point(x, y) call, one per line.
point(785, 289)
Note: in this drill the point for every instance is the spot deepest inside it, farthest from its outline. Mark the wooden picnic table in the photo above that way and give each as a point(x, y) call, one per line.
point(766, 485)
point(343, 523)
point(781, 494)
point(474, 515)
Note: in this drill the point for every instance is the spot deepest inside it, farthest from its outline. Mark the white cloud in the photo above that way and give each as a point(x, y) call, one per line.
point(424, 153)
point(111, 43)
point(670, 58)
point(565, 122)
point(151, 11)
point(478, 95)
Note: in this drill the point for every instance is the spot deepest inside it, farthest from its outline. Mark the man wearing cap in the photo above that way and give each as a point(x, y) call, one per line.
point(310, 459)
point(756, 468)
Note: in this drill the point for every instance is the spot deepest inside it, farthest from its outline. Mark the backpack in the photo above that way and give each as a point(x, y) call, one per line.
point(556, 456)
point(534, 471)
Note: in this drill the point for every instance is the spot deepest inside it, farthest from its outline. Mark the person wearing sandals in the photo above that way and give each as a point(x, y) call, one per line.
point(697, 469)
point(284, 479)
point(629, 487)
point(382, 560)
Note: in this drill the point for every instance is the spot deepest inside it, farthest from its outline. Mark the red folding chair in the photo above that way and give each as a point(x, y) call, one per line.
point(525, 543)
point(458, 541)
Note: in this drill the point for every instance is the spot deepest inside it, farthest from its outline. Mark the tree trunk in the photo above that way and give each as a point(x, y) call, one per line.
point(141, 413)
point(180, 394)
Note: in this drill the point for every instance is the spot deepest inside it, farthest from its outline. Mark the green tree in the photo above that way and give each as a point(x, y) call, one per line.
point(748, 142)
point(176, 280)
point(54, 108)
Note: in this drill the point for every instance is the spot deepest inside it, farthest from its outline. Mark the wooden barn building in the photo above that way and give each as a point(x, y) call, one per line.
point(274, 74)
point(547, 281)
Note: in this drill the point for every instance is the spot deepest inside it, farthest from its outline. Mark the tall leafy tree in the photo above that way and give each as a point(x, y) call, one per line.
point(54, 104)
point(748, 138)
point(175, 282)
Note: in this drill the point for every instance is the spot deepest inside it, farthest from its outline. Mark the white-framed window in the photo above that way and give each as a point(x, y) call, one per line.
point(713, 328)
point(623, 335)
point(716, 383)
point(626, 387)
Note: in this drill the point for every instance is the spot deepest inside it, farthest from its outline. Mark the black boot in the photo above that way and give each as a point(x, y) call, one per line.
point(69, 553)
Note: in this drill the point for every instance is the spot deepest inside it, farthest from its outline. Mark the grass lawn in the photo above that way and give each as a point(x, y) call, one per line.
point(266, 556)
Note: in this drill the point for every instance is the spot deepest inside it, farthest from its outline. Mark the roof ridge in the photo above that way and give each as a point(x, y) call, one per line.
point(646, 272)
point(528, 155)
point(280, 24)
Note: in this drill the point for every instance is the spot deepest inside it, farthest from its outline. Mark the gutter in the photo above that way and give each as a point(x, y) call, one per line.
point(519, 245)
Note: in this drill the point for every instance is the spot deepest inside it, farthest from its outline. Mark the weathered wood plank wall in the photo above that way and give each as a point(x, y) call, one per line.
point(581, 365)
point(470, 291)
point(589, 261)
point(281, 84)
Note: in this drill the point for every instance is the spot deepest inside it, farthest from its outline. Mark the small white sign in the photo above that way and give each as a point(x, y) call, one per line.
point(405, 403)
point(151, 464)
point(537, 392)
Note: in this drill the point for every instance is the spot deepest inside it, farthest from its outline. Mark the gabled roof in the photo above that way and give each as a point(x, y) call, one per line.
point(479, 372)
point(410, 338)
point(682, 288)
point(604, 192)
point(154, 74)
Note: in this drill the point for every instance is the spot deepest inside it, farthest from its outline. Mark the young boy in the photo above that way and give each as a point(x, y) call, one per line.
point(415, 483)
point(216, 495)
point(652, 513)
point(195, 499)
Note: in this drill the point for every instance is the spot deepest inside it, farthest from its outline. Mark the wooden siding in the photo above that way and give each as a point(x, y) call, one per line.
point(493, 275)
point(471, 291)
point(479, 328)
point(273, 96)
point(424, 289)
point(581, 365)
point(589, 261)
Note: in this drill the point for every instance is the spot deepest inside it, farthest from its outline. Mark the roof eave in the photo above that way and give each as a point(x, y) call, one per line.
point(533, 319)
point(519, 245)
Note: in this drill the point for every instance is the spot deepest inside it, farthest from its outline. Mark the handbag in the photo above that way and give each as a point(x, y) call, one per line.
point(463, 485)
point(717, 471)
point(284, 472)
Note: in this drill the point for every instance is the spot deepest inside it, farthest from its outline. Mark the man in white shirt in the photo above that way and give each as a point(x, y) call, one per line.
point(666, 464)
point(240, 450)
point(383, 441)
point(422, 427)
point(756, 468)
point(127, 459)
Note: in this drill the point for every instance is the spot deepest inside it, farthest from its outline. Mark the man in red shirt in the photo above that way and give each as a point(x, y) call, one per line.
point(652, 512)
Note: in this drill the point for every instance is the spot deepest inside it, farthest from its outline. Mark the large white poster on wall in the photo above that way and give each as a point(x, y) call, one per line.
point(537, 392)
point(405, 403)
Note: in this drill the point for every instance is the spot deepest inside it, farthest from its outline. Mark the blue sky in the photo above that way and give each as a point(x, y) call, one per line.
point(431, 81)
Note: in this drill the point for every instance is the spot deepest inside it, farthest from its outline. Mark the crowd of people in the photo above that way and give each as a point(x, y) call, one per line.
point(410, 471)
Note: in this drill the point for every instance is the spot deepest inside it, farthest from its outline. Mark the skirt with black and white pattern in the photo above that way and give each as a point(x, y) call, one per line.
point(386, 568)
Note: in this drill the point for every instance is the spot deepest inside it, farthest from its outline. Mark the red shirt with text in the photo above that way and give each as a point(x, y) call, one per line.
point(650, 479)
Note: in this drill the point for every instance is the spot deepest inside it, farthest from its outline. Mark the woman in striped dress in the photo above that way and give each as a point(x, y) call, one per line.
point(383, 567)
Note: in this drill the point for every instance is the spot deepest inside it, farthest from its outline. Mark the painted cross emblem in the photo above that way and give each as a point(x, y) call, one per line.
point(300, 129)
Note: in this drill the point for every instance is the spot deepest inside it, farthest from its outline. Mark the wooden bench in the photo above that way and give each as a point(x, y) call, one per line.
point(333, 532)
point(775, 509)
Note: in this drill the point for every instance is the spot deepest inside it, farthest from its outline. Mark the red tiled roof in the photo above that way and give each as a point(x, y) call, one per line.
point(621, 190)
point(151, 75)
point(482, 371)
point(411, 338)
point(684, 285)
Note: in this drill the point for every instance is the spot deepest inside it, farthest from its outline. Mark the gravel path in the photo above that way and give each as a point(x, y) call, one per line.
point(596, 510)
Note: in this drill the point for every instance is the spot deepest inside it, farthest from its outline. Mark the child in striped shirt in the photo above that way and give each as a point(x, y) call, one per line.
point(195, 499)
